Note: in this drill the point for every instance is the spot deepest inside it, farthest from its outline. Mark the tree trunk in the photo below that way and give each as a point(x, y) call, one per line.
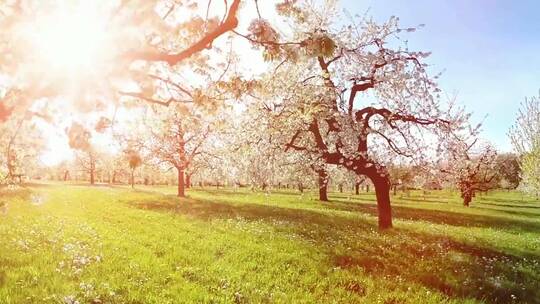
point(357, 188)
point(323, 185)
point(467, 193)
point(92, 169)
point(10, 165)
point(132, 178)
point(467, 198)
point(92, 173)
point(66, 174)
point(382, 192)
point(367, 187)
point(340, 187)
point(181, 185)
point(188, 181)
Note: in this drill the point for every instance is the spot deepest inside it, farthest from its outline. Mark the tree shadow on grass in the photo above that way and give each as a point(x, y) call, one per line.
point(421, 200)
point(454, 268)
point(510, 205)
point(399, 256)
point(526, 202)
point(444, 217)
point(20, 193)
point(427, 199)
point(524, 213)
point(206, 210)
point(36, 185)
point(246, 191)
point(96, 185)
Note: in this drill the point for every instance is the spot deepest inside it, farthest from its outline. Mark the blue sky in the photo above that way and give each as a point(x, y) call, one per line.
point(489, 51)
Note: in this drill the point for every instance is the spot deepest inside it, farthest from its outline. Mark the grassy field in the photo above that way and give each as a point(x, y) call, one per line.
point(78, 244)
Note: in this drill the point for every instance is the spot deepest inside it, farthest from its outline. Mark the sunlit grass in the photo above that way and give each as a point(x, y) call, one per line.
point(62, 244)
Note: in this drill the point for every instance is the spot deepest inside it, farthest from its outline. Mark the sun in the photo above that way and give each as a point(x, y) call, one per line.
point(69, 39)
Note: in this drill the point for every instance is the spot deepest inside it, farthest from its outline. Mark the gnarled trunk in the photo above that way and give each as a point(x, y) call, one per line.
point(467, 201)
point(381, 182)
point(92, 170)
point(188, 180)
point(92, 175)
point(181, 184)
point(323, 185)
point(467, 193)
point(467, 198)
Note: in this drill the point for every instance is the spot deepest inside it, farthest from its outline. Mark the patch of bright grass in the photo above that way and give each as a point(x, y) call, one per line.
point(63, 244)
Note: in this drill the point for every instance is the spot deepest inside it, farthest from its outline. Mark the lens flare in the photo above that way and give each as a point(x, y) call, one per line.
point(69, 40)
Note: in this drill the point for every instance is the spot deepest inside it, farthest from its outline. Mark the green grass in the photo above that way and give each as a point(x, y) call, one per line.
point(67, 243)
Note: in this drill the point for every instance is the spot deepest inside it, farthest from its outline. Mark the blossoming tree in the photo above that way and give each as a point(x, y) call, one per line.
point(351, 96)
point(525, 137)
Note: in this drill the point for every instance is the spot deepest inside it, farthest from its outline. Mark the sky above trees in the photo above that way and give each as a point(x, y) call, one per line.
point(487, 50)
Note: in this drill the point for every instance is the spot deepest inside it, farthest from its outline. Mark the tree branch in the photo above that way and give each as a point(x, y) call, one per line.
point(228, 24)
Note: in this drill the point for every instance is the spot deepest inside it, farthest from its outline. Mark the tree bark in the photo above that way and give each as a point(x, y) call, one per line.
point(132, 178)
point(92, 172)
point(181, 185)
point(92, 168)
point(323, 185)
point(467, 198)
point(357, 188)
point(92, 177)
point(188, 181)
point(382, 192)
point(467, 193)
